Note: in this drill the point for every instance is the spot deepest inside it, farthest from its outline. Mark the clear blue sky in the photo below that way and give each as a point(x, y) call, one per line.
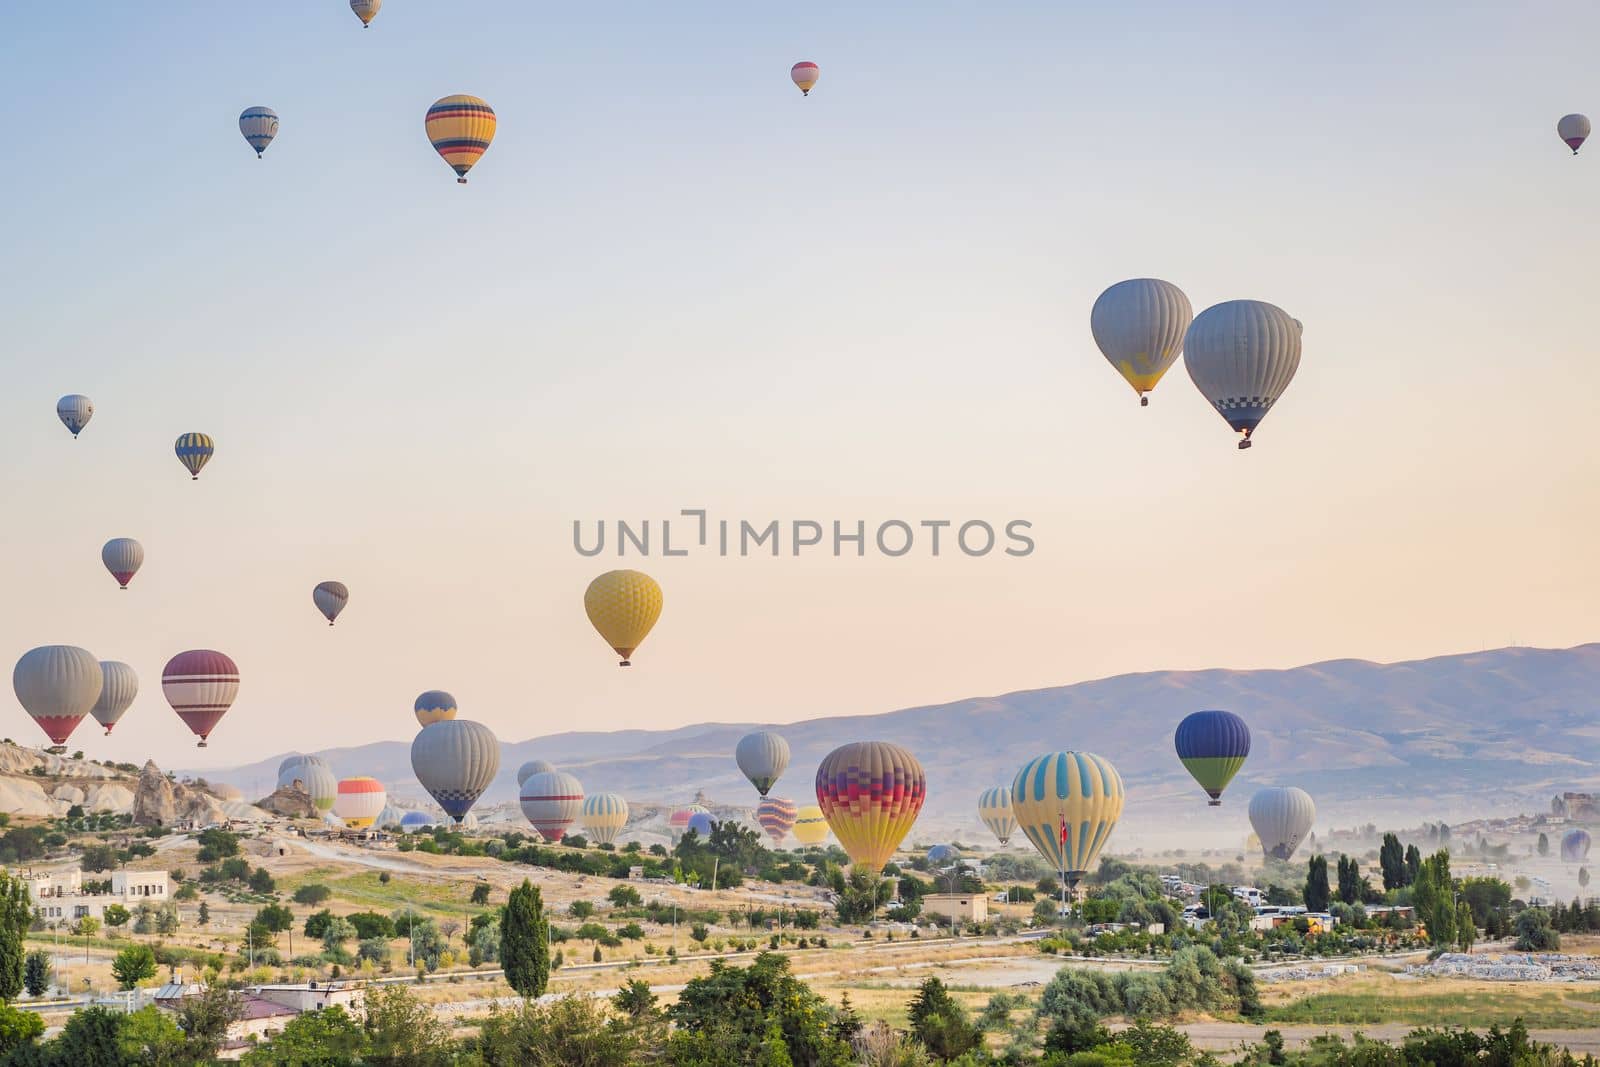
point(673, 282)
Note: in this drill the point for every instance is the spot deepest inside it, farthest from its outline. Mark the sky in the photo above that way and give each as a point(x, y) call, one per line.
point(675, 283)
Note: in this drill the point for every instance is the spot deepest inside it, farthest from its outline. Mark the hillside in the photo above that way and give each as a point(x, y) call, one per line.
point(1447, 737)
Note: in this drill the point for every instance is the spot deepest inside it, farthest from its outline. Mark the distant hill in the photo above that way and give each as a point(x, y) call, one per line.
point(1449, 737)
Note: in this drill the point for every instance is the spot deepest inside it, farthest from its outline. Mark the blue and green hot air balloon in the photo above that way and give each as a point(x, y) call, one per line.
point(1213, 746)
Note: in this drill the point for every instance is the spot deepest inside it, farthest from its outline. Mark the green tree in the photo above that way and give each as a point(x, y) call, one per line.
point(624, 896)
point(205, 913)
point(18, 1028)
point(205, 1018)
point(117, 916)
point(1414, 859)
point(524, 942)
point(16, 915)
point(1349, 880)
point(726, 1015)
point(1316, 890)
point(635, 1000)
point(1466, 929)
point(36, 972)
point(1534, 931)
point(401, 1030)
point(571, 1031)
point(275, 917)
point(580, 909)
point(335, 933)
point(326, 1038)
point(480, 893)
point(133, 965)
point(1433, 896)
point(939, 1023)
point(312, 893)
point(1544, 845)
point(261, 881)
point(150, 1038)
point(217, 844)
point(97, 858)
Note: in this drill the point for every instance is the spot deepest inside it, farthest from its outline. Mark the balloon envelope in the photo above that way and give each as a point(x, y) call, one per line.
point(1212, 746)
point(777, 817)
point(1575, 846)
point(122, 556)
point(871, 793)
point(994, 808)
point(119, 685)
point(762, 757)
point(366, 10)
point(1574, 130)
point(810, 825)
point(804, 74)
point(455, 761)
point(330, 599)
point(1242, 355)
point(552, 802)
point(359, 802)
point(460, 129)
point(1281, 818)
point(57, 685)
point(1068, 804)
point(623, 606)
point(314, 776)
point(194, 451)
point(533, 767)
point(259, 126)
point(200, 685)
point(1139, 325)
point(604, 816)
point(700, 822)
point(434, 706)
point(75, 410)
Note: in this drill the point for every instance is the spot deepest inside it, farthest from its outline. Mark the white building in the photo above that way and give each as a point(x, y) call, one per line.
point(61, 896)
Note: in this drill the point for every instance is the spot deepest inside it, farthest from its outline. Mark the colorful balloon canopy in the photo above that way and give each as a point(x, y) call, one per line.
point(366, 10)
point(777, 816)
point(533, 767)
point(1068, 804)
point(810, 825)
point(75, 410)
point(1213, 746)
point(434, 706)
point(200, 685)
point(1281, 817)
point(1242, 355)
point(604, 816)
point(623, 606)
point(314, 776)
point(330, 599)
point(123, 556)
point(1575, 846)
point(678, 821)
point(119, 685)
point(1573, 130)
point(194, 452)
point(289, 768)
point(359, 802)
point(871, 793)
point(1139, 325)
point(701, 823)
point(460, 128)
point(455, 760)
point(804, 74)
point(259, 126)
point(57, 685)
point(994, 808)
point(762, 757)
point(552, 802)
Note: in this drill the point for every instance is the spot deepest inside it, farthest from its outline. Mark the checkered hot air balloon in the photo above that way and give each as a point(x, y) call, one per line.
point(623, 606)
point(871, 793)
point(1242, 355)
point(460, 128)
point(200, 685)
point(455, 761)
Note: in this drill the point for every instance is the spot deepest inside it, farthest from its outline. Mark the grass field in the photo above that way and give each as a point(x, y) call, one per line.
point(1476, 1004)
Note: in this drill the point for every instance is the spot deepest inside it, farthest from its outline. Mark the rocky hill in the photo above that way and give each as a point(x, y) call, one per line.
point(37, 784)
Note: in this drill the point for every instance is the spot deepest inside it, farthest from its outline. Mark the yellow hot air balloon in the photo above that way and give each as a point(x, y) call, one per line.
point(871, 792)
point(460, 128)
point(810, 825)
point(623, 606)
point(1067, 803)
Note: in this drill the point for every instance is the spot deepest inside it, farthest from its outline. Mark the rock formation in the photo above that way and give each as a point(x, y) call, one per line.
point(290, 801)
point(160, 802)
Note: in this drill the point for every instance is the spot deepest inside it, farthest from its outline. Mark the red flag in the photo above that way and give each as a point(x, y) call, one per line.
point(1063, 832)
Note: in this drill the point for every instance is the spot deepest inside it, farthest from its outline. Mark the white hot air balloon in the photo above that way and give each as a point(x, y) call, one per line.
point(531, 768)
point(604, 816)
point(1242, 355)
point(123, 556)
point(259, 125)
point(762, 756)
point(119, 685)
point(75, 410)
point(1139, 325)
point(994, 808)
point(359, 802)
point(455, 760)
point(1281, 817)
point(552, 801)
point(57, 685)
point(1574, 130)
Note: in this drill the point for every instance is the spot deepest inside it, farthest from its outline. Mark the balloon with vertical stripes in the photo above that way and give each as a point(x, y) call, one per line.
point(1068, 803)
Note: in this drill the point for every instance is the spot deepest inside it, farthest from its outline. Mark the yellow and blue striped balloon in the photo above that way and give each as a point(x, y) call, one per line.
point(194, 451)
point(604, 816)
point(994, 808)
point(460, 129)
point(1068, 803)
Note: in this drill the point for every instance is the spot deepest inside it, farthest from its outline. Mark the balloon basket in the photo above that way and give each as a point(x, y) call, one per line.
point(1144, 401)
point(1214, 804)
point(1244, 444)
point(625, 663)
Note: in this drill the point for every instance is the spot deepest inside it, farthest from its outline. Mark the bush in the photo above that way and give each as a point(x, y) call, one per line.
point(312, 893)
point(1534, 932)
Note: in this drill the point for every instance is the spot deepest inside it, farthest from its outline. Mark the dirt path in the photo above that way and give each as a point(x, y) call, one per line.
point(1220, 1037)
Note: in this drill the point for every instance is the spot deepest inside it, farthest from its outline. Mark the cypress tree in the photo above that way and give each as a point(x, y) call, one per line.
point(1316, 891)
point(524, 951)
point(16, 915)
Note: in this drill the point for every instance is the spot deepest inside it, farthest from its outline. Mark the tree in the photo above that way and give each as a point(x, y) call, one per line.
point(217, 844)
point(312, 893)
point(205, 913)
point(1534, 932)
point(624, 896)
point(1392, 862)
point(580, 909)
point(940, 1023)
point(401, 1029)
point(1414, 858)
point(36, 972)
point(16, 915)
point(635, 1000)
point(1466, 930)
point(275, 917)
point(1433, 897)
point(261, 881)
point(480, 893)
point(727, 1016)
point(1349, 880)
point(87, 926)
point(524, 948)
point(326, 1038)
point(117, 916)
point(335, 933)
point(572, 1030)
point(317, 923)
point(18, 1027)
point(133, 965)
point(204, 1020)
point(1544, 845)
point(97, 858)
point(1316, 891)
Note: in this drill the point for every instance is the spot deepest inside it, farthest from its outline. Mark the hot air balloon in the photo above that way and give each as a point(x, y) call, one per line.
point(290, 767)
point(455, 761)
point(1281, 817)
point(943, 854)
point(1574, 130)
point(1213, 746)
point(870, 792)
point(200, 685)
point(762, 756)
point(57, 685)
point(417, 820)
point(533, 767)
point(314, 776)
point(1139, 325)
point(119, 685)
point(1575, 846)
point(623, 606)
point(1242, 355)
point(700, 822)
point(604, 816)
point(994, 808)
point(804, 75)
point(366, 10)
point(259, 126)
point(777, 817)
point(75, 410)
point(460, 128)
point(1068, 803)
point(434, 706)
point(810, 825)
point(359, 802)
point(678, 821)
point(552, 801)
point(330, 599)
point(194, 452)
point(123, 556)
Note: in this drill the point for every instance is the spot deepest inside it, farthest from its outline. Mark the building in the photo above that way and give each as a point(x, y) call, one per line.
point(63, 896)
point(962, 907)
point(267, 1009)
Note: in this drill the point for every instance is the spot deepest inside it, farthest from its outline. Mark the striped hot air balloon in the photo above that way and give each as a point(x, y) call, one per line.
point(460, 128)
point(200, 685)
point(623, 606)
point(531, 768)
point(1213, 746)
point(359, 802)
point(259, 126)
point(1068, 803)
point(994, 808)
point(366, 11)
point(122, 556)
point(194, 452)
point(455, 760)
point(604, 816)
point(762, 757)
point(330, 599)
point(57, 685)
point(119, 685)
point(552, 802)
point(804, 74)
point(777, 817)
point(434, 706)
point(871, 793)
point(1242, 355)
point(810, 825)
point(75, 410)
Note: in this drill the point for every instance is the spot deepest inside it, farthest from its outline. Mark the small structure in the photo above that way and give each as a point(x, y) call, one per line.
point(962, 907)
point(312, 996)
point(63, 897)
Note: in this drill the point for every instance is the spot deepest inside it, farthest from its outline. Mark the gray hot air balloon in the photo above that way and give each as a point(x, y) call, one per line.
point(455, 760)
point(1282, 816)
point(552, 801)
point(123, 556)
point(762, 756)
point(289, 769)
point(1139, 325)
point(330, 599)
point(75, 410)
point(1573, 129)
point(531, 768)
point(119, 685)
point(1242, 355)
point(315, 776)
point(57, 685)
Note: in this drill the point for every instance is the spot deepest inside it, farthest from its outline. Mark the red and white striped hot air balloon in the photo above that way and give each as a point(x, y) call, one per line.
point(200, 685)
point(804, 75)
point(552, 801)
point(360, 801)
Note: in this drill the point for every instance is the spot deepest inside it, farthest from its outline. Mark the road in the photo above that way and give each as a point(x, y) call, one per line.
point(1218, 1037)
